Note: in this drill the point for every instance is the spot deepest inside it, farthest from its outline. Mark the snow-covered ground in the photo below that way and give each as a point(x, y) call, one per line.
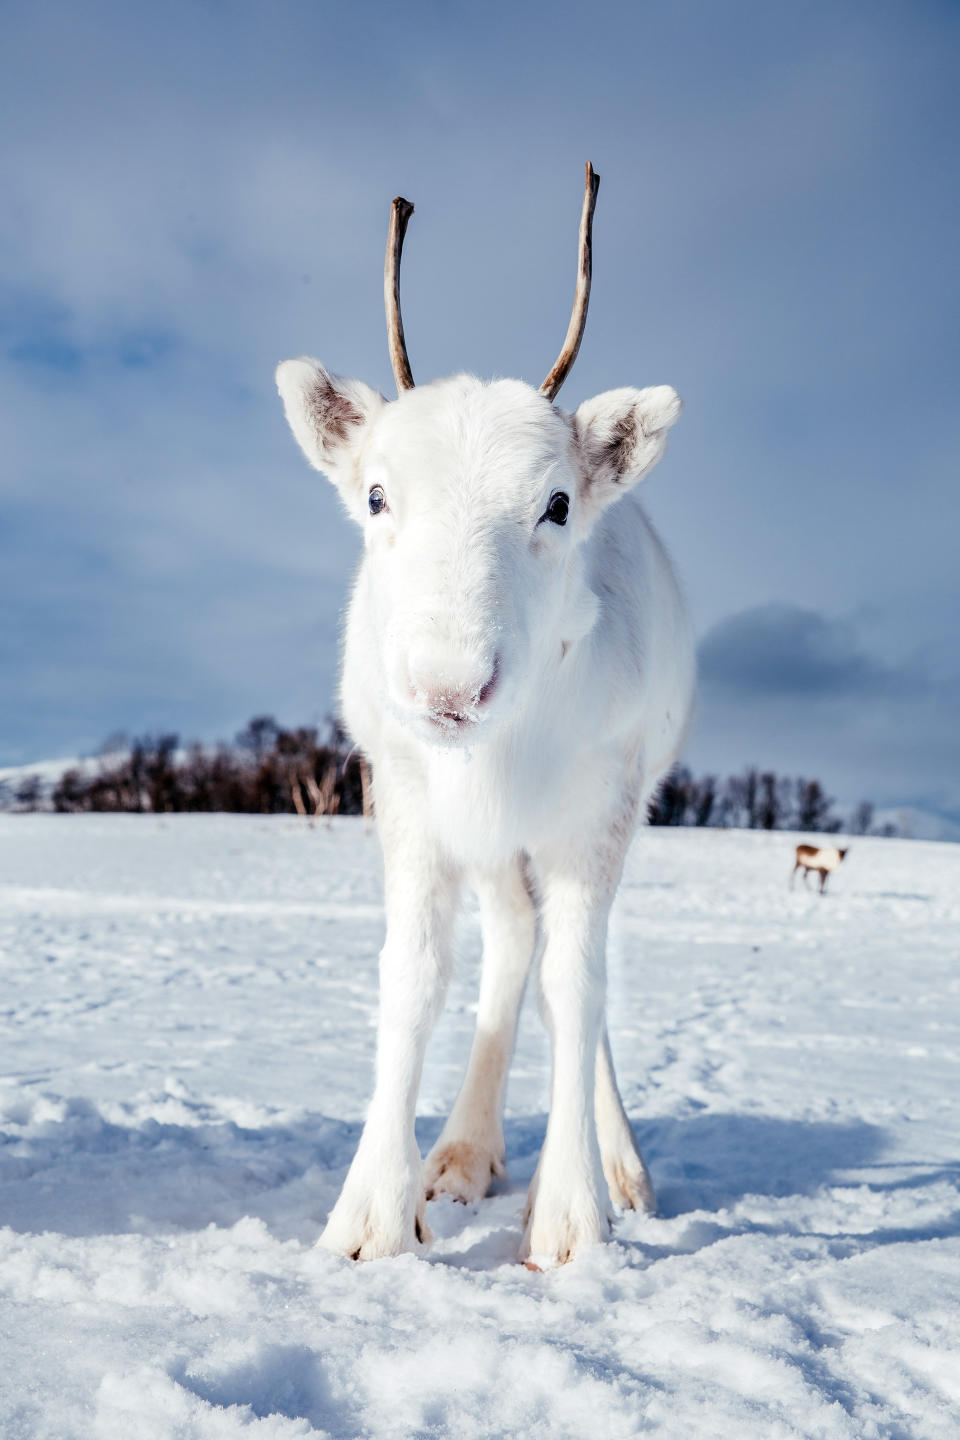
point(188, 1009)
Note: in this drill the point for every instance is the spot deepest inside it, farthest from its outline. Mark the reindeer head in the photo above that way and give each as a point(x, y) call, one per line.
point(475, 500)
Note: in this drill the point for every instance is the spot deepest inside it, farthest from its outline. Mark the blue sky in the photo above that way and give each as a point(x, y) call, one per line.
point(193, 192)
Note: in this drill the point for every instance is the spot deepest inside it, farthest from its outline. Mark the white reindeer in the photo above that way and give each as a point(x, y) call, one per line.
point(518, 668)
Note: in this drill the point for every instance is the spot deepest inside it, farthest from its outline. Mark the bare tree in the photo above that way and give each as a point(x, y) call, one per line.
point(862, 819)
point(770, 806)
point(813, 808)
point(28, 793)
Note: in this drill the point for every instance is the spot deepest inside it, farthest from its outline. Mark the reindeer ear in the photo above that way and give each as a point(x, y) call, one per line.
point(330, 418)
point(622, 434)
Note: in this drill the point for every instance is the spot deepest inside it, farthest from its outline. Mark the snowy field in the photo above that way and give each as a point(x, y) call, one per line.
point(188, 1010)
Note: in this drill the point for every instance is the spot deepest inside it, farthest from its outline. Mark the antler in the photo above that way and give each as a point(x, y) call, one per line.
point(400, 212)
point(578, 319)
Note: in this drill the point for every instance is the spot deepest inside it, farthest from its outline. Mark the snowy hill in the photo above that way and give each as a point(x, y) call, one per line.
point(188, 1011)
point(913, 823)
point(48, 771)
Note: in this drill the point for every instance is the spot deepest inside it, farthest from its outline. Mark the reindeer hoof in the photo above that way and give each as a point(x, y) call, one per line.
point(554, 1236)
point(629, 1183)
point(460, 1169)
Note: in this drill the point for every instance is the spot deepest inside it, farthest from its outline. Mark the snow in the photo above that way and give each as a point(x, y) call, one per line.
point(188, 1007)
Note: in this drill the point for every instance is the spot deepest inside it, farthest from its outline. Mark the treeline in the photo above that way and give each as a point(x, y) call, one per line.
point(756, 800)
point(266, 771)
point(269, 770)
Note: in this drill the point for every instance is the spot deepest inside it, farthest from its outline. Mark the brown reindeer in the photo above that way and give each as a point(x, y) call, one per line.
point(822, 859)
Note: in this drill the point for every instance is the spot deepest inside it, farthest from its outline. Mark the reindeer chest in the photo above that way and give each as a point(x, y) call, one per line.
point(489, 803)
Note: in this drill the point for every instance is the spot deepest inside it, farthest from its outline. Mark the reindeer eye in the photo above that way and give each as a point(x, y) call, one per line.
point(376, 500)
point(558, 509)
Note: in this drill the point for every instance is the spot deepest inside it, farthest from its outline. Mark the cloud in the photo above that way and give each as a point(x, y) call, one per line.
point(783, 650)
point(38, 336)
point(795, 690)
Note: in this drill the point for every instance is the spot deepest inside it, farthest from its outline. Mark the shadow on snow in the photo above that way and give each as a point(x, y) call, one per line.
point(84, 1175)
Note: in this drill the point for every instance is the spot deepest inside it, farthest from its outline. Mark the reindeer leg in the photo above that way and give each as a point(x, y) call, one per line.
point(470, 1150)
point(568, 1205)
point(628, 1179)
point(381, 1209)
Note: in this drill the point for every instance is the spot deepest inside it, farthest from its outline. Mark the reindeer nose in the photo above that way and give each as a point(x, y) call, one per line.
point(453, 691)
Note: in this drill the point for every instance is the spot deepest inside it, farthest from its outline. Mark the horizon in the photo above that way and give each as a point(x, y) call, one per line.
point(844, 813)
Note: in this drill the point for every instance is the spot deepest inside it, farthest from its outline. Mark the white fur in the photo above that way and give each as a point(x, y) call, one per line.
point(827, 857)
point(520, 688)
